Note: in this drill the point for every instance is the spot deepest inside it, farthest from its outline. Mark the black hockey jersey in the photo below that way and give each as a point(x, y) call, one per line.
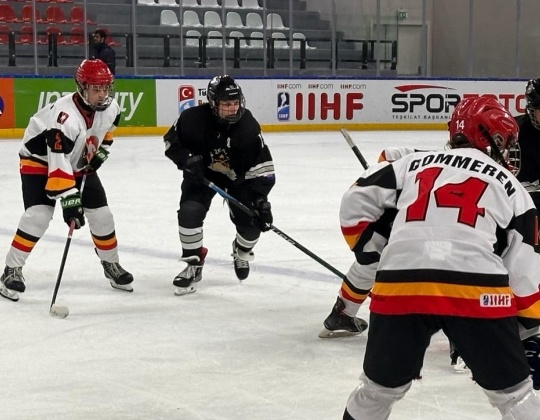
point(233, 153)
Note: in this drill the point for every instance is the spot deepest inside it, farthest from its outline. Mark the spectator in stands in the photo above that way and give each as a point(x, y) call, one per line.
point(103, 51)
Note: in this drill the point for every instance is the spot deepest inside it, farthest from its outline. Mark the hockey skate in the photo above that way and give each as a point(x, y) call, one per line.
point(186, 280)
point(339, 324)
point(241, 261)
point(460, 366)
point(12, 283)
point(119, 278)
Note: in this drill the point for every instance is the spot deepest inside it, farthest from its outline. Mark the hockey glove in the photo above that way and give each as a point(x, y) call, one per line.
point(195, 166)
point(72, 208)
point(264, 212)
point(98, 159)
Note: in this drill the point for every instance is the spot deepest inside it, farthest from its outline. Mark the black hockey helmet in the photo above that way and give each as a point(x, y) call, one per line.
point(532, 94)
point(224, 88)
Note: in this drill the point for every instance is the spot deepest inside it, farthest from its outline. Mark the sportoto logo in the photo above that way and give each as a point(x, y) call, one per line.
point(418, 98)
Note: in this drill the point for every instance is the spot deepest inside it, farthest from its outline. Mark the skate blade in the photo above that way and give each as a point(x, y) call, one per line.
point(181, 291)
point(326, 333)
point(123, 287)
point(10, 294)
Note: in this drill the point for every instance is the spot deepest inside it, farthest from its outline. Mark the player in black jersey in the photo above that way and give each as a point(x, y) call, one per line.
point(529, 142)
point(529, 176)
point(220, 141)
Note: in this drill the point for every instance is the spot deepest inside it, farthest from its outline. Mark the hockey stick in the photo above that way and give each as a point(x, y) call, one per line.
point(57, 310)
point(251, 213)
point(354, 148)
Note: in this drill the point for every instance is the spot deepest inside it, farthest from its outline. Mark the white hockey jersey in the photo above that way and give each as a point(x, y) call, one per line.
point(62, 138)
point(461, 244)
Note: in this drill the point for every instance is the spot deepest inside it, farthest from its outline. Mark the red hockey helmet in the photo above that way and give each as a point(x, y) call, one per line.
point(483, 123)
point(94, 73)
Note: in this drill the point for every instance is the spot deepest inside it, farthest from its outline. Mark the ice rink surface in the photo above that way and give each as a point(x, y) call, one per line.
point(228, 351)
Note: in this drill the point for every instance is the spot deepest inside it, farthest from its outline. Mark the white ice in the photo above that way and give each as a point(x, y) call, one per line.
point(228, 351)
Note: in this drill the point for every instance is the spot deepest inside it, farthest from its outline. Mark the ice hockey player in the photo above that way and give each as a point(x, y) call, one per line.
point(529, 141)
point(63, 143)
point(460, 258)
point(529, 176)
point(220, 141)
point(355, 287)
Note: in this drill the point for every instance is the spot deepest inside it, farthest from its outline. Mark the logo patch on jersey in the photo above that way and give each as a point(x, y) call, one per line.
point(495, 300)
point(221, 163)
point(62, 117)
point(283, 106)
point(90, 149)
point(186, 98)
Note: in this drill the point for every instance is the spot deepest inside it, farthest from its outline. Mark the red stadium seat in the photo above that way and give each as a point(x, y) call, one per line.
point(26, 36)
point(76, 36)
point(55, 14)
point(60, 40)
point(4, 34)
point(7, 13)
point(76, 15)
point(109, 40)
point(26, 14)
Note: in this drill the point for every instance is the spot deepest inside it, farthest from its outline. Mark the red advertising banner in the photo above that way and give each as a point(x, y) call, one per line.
point(7, 104)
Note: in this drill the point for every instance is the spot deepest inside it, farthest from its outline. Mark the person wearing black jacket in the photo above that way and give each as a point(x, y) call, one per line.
point(529, 142)
point(103, 51)
point(221, 142)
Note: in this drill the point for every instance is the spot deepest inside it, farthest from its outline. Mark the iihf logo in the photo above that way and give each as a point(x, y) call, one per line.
point(186, 98)
point(495, 300)
point(283, 106)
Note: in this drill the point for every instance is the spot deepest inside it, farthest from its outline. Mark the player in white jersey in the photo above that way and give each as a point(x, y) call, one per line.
point(64, 143)
point(355, 287)
point(460, 258)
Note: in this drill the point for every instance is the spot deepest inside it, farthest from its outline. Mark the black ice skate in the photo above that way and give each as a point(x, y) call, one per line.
point(186, 280)
point(12, 283)
point(339, 324)
point(119, 278)
point(241, 261)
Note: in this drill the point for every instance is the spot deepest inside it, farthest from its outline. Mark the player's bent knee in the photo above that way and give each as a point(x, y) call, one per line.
point(36, 219)
point(519, 402)
point(100, 220)
point(191, 213)
point(373, 401)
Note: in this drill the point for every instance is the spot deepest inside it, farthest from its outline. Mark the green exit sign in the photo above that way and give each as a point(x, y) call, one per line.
point(402, 14)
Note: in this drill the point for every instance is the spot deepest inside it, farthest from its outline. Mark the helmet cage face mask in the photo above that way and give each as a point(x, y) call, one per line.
point(83, 90)
point(94, 74)
point(510, 152)
point(224, 88)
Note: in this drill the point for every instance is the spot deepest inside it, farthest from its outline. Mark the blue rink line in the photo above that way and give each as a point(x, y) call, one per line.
point(166, 255)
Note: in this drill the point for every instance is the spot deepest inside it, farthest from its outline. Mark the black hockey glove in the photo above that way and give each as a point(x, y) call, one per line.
point(72, 208)
point(195, 166)
point(98, 159)
point(264, 212)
